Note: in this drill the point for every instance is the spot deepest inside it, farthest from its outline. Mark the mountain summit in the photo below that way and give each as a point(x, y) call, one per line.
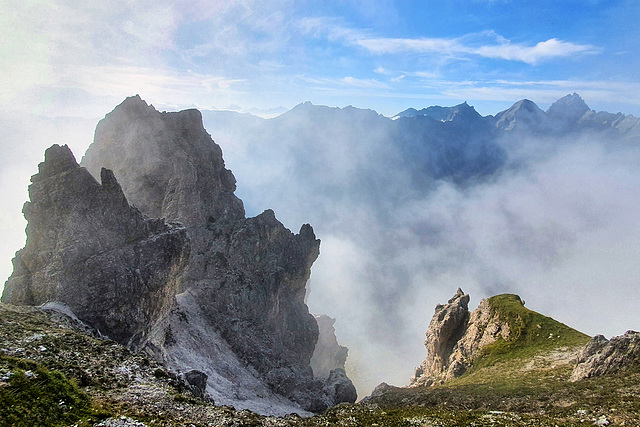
point(459, 340)
point(523, 116)
point(442, 114)
point(160, 257)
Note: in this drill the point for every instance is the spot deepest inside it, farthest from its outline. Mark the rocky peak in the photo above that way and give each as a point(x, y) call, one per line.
point(133, 106)
point(457, 338)
point(567, 111)
point(523, 116)
point(569, 102)
point(86, 247)
point(217, 293)
point(448, 325)
point(57, 159)
point(172, 168)
point(443, 114)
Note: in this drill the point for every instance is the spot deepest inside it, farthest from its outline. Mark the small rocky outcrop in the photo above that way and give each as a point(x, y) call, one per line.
point(197, 382)
point(202, 289)
point(328, 363)
point(454, 338)
point(601, 356)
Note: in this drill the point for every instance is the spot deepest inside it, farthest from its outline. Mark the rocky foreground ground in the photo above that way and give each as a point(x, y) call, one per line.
point(55, 371)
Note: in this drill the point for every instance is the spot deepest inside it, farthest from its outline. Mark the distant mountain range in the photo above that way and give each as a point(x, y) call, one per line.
point(335, 151)
point(567, 114)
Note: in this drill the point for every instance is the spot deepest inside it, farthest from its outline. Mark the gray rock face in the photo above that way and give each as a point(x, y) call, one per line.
point(454, 338)
point(567, 111)
point(328, 353)
point(339, 387)
point(523, 117)
point(113, 266)
point(223, 295)
point(167, 164)
point(197, 382)
point(445, 330)
point(601, 356)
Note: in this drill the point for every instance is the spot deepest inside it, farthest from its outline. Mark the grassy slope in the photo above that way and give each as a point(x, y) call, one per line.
point(525, 377)
point(531, 334)
point(32, 395)
point(521, 382)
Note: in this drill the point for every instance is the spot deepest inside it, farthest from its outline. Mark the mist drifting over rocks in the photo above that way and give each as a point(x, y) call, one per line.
point(409, 208)
point(184, 277)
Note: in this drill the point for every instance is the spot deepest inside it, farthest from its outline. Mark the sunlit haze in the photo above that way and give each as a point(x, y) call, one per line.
point(562, 232)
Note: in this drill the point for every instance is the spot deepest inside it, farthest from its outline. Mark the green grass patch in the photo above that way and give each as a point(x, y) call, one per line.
point(537, 398)
point(530, 333)
point(31, 395)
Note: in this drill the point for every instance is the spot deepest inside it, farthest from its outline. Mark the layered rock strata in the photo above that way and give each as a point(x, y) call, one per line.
point(228, 299)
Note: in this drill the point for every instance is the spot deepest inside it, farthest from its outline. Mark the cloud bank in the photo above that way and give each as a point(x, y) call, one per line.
point(558, 226)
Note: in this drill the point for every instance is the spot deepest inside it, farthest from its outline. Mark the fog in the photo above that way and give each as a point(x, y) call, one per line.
point(558, 225)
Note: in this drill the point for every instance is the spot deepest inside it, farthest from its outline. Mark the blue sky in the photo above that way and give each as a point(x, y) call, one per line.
point(82, 58)
point(64, 64)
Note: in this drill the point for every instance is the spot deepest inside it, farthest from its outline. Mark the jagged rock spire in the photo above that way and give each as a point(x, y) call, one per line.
point(217, 292)
point(86, 247)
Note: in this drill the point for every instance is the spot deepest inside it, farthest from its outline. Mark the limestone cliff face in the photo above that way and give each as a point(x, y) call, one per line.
point(455, 337)
point(167, 164)
point(116, 268)
point(231, 306)
point(601, 356)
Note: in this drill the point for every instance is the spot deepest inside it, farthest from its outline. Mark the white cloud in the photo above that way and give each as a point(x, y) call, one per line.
point(156, 83)
point(115, 49)
point(487, 44)
point(424, 74)
point(552, 48)
point(333, 29)
point(363, 83)
point(384, 45)
point(348, 82)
